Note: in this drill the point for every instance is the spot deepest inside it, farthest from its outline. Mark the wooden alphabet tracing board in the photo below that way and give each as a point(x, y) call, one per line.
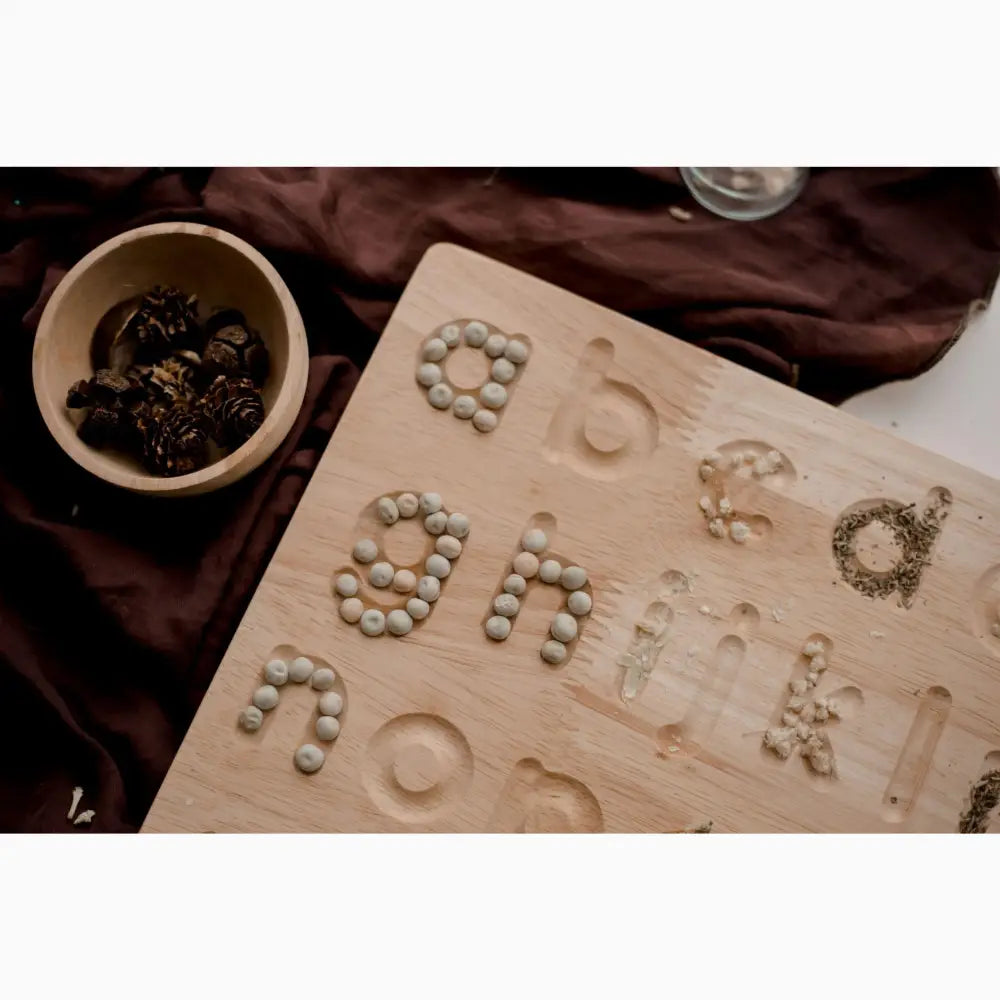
point(792, 622)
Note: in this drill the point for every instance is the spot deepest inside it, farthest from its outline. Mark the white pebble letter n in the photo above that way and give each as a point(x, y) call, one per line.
point(536, 565)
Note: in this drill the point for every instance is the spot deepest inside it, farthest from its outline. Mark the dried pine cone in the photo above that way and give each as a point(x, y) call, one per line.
point(235, 409)
point(166, 320)
point(176, 441)
point(116, 404)
point(234, 348)
point(169, 381)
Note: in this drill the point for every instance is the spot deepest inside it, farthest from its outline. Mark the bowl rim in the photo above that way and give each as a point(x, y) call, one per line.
point(277, 423)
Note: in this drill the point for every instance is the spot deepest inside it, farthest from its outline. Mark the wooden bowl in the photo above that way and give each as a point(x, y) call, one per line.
point(222, 271)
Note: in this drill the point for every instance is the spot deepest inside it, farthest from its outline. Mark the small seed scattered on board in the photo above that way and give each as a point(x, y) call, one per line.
point(74, 804)
point(85, 817)
point(680, 214)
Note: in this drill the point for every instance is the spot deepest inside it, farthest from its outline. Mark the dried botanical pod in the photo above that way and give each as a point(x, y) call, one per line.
point(235, 409)
point(115, 403)
point(166, 320)
point(176, 441)
point(234, 348)
point(168, 381)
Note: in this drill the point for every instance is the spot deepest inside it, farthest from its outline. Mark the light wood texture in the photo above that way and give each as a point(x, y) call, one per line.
point(445, 730)
point(222, 271)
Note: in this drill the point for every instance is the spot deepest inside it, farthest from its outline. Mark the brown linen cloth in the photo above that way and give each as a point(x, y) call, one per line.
point(115, 610)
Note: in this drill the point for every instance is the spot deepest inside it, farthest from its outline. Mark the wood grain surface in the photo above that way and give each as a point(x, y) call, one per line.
point(601, 442)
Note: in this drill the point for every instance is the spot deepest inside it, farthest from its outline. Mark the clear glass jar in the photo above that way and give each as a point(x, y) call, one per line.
point(745, 193)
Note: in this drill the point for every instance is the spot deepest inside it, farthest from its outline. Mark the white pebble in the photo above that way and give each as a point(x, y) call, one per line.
point(381, 574)
point(251, 718)
point(564, 627)
point(365, 551)
point(323, 679)
point(450, 335)
point(458, 525)
point(498, 627)
point(429, 589)
point(407, 504)
point(706, 505)
point(351, 610)
point(819, 663)
point(430, 503)
point(436, 523)
point(276, 672)
point(550, 571)
point(331, 703)
point(553, 651)
point(496, 344)
point(493, 395)
point(476, 333)
point(429, 374)
point(579, 602)
point(515, 584)
point(398, 622)
point(812, 678)
point(301, 668)
point(464, 407)
point(812, 648)
point(435, 349)
point(725, 506)
point(573, 577)
point(309, 758)
point(516, 351)
point(705, 471)
point(507, 605)
point(327, 728)
point(525, 564)
point(717, 527)
point(739, 531)
point(449, 546)
point(798, 687)
point(387, 511)
point(485, 421)
point(417, 608)
point(266, 697)
point(440, 396)
point(404, 582)
point(373, 622)
point(534, 540)
point(503, 371)
point(437, 565)
point(347, 584)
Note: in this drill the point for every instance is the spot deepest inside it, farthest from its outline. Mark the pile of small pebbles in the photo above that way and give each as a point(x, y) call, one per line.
point(479, 407)
point(277, 672)
point(526, 566)
point(721, 517)
point(418, 593)
point(804, 717)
